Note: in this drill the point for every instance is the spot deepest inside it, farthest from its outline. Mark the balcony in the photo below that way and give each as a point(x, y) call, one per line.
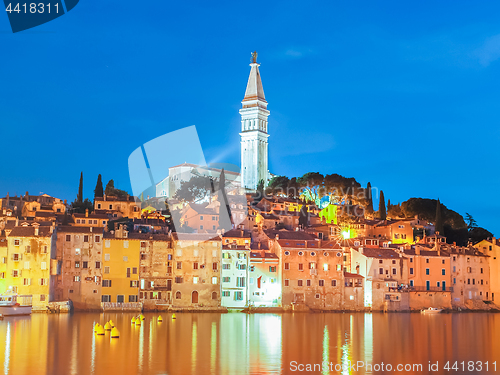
point(409, 289)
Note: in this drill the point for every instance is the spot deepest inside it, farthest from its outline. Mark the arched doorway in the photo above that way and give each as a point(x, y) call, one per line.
point(194, 297)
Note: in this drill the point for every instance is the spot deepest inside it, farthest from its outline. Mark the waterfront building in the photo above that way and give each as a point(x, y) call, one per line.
point(3, 264)
point(196, 271)
point(312, 275)
point(234, 273)
point(354, 294)
point(429, 275)
point(156, 270)
point(385, 276)
point(264, 277)
point(30, 270)
point(89, 220)
point(200, 217)
point(120, 277)
point(470, 274)
point(491, 248)
point(79, 257)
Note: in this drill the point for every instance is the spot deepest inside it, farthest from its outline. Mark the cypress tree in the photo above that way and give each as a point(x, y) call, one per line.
point(79, 198)
point(99, 190)
point(439, 225)
point(381, 206)
point(369, 208)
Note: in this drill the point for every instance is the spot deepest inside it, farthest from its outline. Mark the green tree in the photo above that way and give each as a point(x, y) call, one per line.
point(79, 197)
point(471, 223)
point(426, 210)
point(477, 234)
point(381, 207)
point(113, 192)
point(438, 223)
point(81, 207)
point(98, 191)
point(196, 188)
point(278, 185)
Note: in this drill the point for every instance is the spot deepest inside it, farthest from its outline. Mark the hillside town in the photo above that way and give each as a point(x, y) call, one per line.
point(125, 255)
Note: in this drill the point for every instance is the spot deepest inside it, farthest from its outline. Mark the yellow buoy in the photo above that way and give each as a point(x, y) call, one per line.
point(173, 316)
point(133, 320)
point(138, 322)
point(96, 327)
point(160, 319)
point(115, 333)
point(107, 326)
point(111, 323)
point(100, 330)
point(142, 317)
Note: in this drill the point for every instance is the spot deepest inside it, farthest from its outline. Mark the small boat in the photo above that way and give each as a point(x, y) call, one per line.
point(431, 310)
point(12, 304)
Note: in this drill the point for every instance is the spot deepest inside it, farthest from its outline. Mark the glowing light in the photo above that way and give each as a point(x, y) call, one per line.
point(325, 267)
point(326, 346)
point(346, 234)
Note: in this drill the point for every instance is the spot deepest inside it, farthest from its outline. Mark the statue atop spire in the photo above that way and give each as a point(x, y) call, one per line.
point(254, 57)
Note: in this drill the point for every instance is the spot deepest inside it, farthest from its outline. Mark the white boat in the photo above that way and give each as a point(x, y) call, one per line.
point(12, 304)
point(431, 310)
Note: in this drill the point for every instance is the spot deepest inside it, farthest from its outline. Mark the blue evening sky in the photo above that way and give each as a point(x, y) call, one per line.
point(402, 94)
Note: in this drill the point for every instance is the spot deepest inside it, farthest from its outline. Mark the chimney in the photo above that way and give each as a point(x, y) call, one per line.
point(258, 245)
point(36, 231)
point(86, 212)
point(104, 196)
point(494, 241)
point(17, 222)
point(277, 236)
point(91, 229)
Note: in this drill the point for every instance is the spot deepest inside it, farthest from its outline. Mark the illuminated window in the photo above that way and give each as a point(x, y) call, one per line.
point(325, 267)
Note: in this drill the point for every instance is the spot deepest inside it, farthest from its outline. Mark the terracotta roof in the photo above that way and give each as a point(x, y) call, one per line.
point(352, 275)
point(237, 233)
point(3, 242)
point(92, 216)
point(262, 255)
point(203, 209)
point(289, 235)
point(72, 229)
point(234, 247)
point(381, 253)
point(30, 232)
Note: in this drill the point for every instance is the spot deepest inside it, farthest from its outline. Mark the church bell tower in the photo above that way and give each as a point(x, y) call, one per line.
point(254, 114)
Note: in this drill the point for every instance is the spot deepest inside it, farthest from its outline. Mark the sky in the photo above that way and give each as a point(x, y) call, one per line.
point(402, 94)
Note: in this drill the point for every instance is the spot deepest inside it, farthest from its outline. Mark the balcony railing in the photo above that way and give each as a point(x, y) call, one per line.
point(407, 289)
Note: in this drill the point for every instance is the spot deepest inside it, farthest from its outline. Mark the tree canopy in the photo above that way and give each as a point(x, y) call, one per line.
point(98, 191)
point(112, 191)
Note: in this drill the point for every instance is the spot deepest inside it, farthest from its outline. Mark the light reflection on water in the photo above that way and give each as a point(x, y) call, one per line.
point(242, 344)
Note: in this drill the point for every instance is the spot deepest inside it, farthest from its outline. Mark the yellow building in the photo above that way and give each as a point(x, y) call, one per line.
point(491, 248)
point(120, 277)
point(3, 264)
point(29, 253)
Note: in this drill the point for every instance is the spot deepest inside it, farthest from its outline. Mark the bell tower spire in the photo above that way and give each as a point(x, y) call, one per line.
point(254, 144)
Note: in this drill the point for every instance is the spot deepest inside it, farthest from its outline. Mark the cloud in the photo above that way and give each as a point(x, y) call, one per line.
point(489, 51)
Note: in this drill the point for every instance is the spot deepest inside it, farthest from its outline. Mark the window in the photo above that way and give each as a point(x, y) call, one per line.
point(308, 282)
point(427, 260)
point(427, 271)
point(299, 282)
point(242, 266)
point(394, 271)
point(179, 265)
point(77, 264)
point(120, 298)
point(27, 282)
point(443, 271)
point(107, 257)
point(178, 280)
point(105, 298)
point(393, 262)
point(42, 297)
point(214, 266)
point(107, 243)
point(106, 283)
point(97, 265)
point(411, 271)
point(195, 280)
point(481, 270)
point(380, 261)
point(17, 242)
point(442, 261)
point(86, 238)
point(83, 221)
point(195, 266)
point(26, 265)
point(238, 296)
point(411, 260)
point(214, 295)
point(68, 237)
point(134, 270)
point(226, 294)
point(301, 267)
point(312, 265)
point(132, 298)
point(381, 271)
point(201, 217)
point(177, 295)
point(85, 264)
point(240, 282)
point(128, 271)
point(272, 268)
point(226, 266)
point(287, 282)
point(43, 265)
point(27, 249)
point(226, 279)
point(321, 283)
point(201, 226)
point(106, 269)
point(75, 279)
point(334, 282)
point(15, 273)
point(214, 280)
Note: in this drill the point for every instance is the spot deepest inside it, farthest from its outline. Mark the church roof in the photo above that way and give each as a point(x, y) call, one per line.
point(254, 91)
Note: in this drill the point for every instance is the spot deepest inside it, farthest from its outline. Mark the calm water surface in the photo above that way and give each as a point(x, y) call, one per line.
point(247, 344)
